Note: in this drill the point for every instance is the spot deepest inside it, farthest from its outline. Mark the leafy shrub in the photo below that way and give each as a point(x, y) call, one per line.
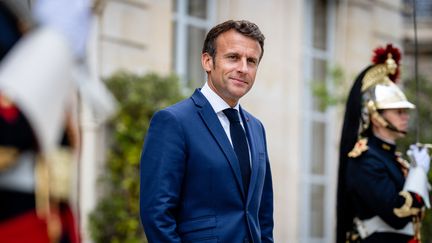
point(116, 216)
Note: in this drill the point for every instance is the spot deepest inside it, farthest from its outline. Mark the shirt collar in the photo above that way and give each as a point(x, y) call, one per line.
point(217, 103)
point(382, 144)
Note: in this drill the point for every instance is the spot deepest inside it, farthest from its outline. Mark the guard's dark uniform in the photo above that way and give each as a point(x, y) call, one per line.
point(17, 205)
point(374, 180)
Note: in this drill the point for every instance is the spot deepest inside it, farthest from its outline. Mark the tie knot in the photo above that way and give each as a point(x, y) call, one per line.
point(232, 115)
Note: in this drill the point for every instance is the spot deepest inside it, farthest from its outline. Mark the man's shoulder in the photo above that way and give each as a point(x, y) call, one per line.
point(181, 105)
point(185, 104)
point(178, 108)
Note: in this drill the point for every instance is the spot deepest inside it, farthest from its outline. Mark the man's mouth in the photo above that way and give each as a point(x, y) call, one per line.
point(239, 80)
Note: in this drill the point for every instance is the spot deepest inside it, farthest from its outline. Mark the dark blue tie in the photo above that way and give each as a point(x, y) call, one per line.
point(240, 145)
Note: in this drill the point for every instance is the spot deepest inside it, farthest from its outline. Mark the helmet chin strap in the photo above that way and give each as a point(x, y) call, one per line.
point(387, 124)
point(394, 129)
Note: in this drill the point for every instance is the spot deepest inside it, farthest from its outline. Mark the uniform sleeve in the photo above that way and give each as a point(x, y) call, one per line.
point(162, 171)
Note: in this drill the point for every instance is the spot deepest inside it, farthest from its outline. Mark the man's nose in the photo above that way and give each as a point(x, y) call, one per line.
point(406, 116)
point(242, 65)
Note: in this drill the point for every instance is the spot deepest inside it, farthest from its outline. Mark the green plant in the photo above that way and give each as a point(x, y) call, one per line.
point(330, 92)
point(116, 216)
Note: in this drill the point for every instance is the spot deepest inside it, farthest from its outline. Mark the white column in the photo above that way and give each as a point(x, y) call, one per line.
point(92, 150)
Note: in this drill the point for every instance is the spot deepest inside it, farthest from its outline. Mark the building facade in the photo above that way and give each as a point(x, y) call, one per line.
point(305, 40)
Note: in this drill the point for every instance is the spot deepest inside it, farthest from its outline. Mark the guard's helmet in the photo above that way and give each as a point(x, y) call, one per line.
point(389, 96)
point(378, 88)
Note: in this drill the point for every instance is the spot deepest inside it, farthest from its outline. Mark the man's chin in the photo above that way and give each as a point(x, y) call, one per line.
point(239, 92)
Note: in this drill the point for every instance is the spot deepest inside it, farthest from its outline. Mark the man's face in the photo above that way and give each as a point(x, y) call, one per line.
point(232, 73)
point(399, 118)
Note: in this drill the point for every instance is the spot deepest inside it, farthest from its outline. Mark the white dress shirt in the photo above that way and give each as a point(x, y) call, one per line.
point(218, 105)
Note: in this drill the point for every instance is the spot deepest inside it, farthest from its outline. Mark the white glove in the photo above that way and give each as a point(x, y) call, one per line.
point(420, 156)
point(71, 18)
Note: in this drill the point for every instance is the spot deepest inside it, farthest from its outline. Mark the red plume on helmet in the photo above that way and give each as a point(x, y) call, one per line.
point(380, 55)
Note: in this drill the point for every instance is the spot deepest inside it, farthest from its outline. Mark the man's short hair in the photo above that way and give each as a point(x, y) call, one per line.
point(243, 27)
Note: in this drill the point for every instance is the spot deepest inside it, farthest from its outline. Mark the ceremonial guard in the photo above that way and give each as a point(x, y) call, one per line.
point(381, 197)
point(36, 110)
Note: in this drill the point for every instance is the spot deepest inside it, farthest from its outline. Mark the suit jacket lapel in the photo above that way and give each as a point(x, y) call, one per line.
point(250, 133)
point(212, 122)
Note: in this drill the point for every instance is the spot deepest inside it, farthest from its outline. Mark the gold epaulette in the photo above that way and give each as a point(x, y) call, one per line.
point(8, 157)
point(359, 148)
point(406, 209)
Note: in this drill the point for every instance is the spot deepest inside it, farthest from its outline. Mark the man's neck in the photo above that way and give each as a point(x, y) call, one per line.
point(385, 134)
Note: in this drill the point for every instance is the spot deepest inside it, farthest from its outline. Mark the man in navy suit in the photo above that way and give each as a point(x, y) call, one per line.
point(205, 173)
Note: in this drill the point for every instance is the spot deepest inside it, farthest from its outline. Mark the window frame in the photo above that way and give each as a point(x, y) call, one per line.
point(308, 179)
point(182, 21)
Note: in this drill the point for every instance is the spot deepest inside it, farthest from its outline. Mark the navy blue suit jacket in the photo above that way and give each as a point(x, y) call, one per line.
point(191, 186)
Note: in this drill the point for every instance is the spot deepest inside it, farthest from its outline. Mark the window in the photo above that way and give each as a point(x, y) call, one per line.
point(318, 180)
point(192, 20)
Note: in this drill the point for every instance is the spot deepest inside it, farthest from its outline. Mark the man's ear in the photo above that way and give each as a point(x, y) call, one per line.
point(206, 62)
point(373, 121)
point(378, 120)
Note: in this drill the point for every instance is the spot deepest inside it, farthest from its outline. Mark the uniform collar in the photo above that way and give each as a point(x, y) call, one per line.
point(382, 145)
